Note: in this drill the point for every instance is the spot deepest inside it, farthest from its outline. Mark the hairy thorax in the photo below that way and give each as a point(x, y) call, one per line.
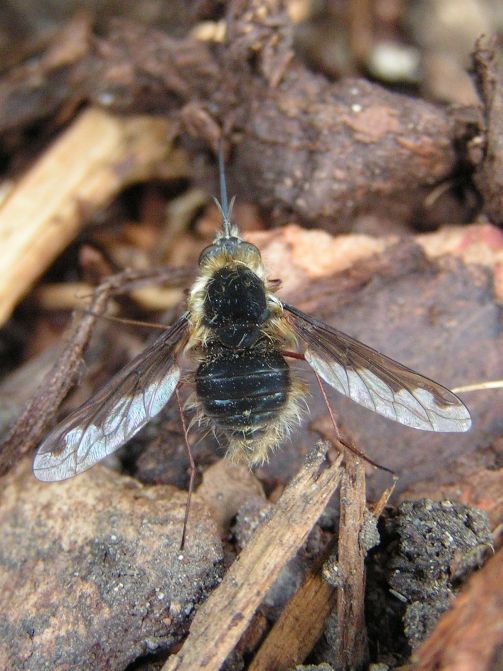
point(244, 387)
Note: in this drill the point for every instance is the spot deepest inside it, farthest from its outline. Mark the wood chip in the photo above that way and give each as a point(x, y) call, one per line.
point(298, 628)
point(352, 650)
point(79, 174)
point(303, 621)
point(227, 613)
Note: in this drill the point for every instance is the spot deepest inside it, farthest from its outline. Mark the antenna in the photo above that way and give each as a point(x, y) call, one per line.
point(223, 205)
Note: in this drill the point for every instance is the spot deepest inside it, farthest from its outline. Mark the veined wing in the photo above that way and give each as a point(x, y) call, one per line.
point(375, 381)
point(116, 412)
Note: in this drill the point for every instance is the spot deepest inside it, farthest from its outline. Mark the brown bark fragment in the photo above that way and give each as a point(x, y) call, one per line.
point(489, 174)
point(298, 628)
point(340, 591)
point(351, 648)
point(45, 209)
point(469, 636)
point(308, 153)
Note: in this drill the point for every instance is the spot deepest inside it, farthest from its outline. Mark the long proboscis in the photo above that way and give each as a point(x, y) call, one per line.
point(223, 203)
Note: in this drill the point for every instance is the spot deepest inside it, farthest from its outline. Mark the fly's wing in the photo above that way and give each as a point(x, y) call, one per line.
point(375, 381)
point(115, 413)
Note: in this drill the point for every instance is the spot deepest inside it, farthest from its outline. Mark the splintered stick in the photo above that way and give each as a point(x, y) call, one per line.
point(78, 175)
point(299, 626)
point(225, 616)
point(304, 618)
point(351, 650)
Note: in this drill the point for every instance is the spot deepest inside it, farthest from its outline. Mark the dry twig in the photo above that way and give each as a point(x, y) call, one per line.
point(302, 622)
point(41, 409)
point(298, 628)
point(352, 650)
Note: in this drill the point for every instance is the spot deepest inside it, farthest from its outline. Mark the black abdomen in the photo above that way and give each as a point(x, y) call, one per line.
point(243, 390)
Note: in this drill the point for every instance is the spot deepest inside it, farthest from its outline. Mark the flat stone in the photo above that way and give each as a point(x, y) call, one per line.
point(92, 576)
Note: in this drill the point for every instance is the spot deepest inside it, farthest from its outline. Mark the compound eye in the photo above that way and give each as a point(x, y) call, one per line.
point(250, 250)
point(208, 253)
point(227, 246)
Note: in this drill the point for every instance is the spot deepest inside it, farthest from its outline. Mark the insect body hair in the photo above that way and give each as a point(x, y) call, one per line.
point(254, 448)
point(253, 432)
point(245, 256)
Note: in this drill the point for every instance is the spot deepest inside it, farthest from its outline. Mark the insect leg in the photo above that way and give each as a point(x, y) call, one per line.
point(351, 448)
point(192, 467)
point(294, 355)
point(124, 320)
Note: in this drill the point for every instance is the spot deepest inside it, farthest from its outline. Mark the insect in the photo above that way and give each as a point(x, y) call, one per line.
point(238, 333)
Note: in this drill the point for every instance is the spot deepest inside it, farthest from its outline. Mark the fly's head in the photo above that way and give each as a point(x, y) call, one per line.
point(230, 250)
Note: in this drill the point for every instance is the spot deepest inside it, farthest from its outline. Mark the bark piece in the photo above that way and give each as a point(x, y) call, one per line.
point(489, 173)
point(323, 146)
point(351, 648)
point(92, 576)
point(298, 628)
point(479, 244)
point(470, 635)
point(344, 644)
point(227, 613)
point(327, 152)
point(304, 618)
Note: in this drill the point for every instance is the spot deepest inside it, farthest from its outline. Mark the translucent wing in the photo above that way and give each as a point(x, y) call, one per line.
point(375, 381)
point(115, 413)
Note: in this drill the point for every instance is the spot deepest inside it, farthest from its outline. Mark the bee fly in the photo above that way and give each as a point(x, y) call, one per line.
point(238, 332)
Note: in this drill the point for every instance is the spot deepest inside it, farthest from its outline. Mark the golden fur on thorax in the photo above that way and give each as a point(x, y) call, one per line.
point(276, 327)
point(277, 332)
